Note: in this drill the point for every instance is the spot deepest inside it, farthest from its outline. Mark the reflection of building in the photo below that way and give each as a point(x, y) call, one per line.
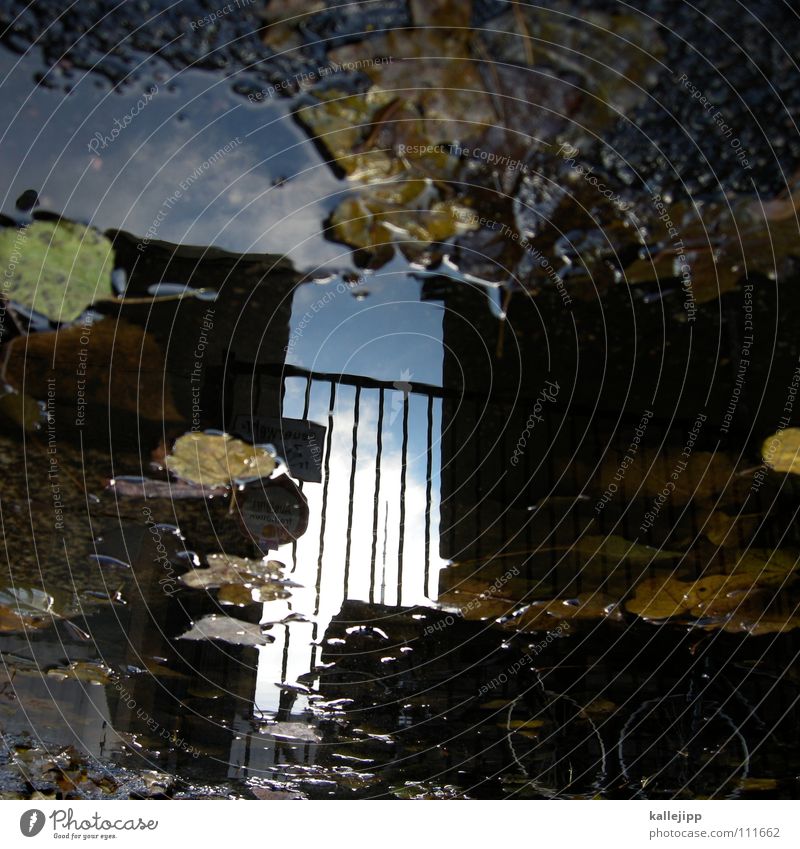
point(374, 513)
point(490, 412)
point(197, 691)
point(248, 322)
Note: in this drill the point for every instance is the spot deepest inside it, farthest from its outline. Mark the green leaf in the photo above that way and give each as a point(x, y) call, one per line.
point(57, 268)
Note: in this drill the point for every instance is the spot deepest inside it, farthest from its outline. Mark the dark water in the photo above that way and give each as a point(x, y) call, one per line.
point(470, 462)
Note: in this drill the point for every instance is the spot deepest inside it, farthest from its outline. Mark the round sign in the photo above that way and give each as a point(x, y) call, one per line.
point(273, 512)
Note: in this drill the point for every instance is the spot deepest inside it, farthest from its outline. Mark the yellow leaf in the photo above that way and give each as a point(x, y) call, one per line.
point(214, 460)
point(725, 530)
point(758, 783)
point(547, 615)
point(235, 594)
point(781, 451)
point(725, 596)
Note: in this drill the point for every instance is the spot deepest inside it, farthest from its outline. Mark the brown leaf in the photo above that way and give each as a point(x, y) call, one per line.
point(11, 621)
point(110, 363)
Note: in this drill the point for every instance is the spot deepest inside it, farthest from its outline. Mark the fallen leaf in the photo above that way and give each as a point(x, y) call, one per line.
point(496, 704)
point(266, 793)
point(599, 707)
point(718, 595)
point(236, 595)
point(57, 268)
point(292, 731)
point(781, 451)
point(757, 623)
point(513, 724)
point(474, 602)
point(240, 580)
point(434, 71)
point(27, 601)
point(546, 615)
point(496, 590)
point(340, 120)
point(228, 630)
point(22, 410)
point(225, 569)
point(159, 670)
point(725, 530)
point(731, 239)
point(148, 488)
point(103, 363)
point(86, 671)
point(281, 22)
point(12, 622)
point(214, 460)
point(660, 598)
point(607, 58)
point(374, 218)
point(618, 549)
point(758, 784)
point(704, 476)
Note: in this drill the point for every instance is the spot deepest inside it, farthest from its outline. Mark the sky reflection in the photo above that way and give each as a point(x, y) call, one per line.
point(391, 335)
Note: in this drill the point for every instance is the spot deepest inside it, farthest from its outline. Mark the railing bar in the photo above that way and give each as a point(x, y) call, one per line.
point(452, 482)
point(327, 472)
point(402, 538)
point(306, 406)
point(356, 406)
point(552, 477)
point(236, 366)
point(531, 498)
point(376, 500)
point(476, 436)
point(285, 658)
point(428, 484)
